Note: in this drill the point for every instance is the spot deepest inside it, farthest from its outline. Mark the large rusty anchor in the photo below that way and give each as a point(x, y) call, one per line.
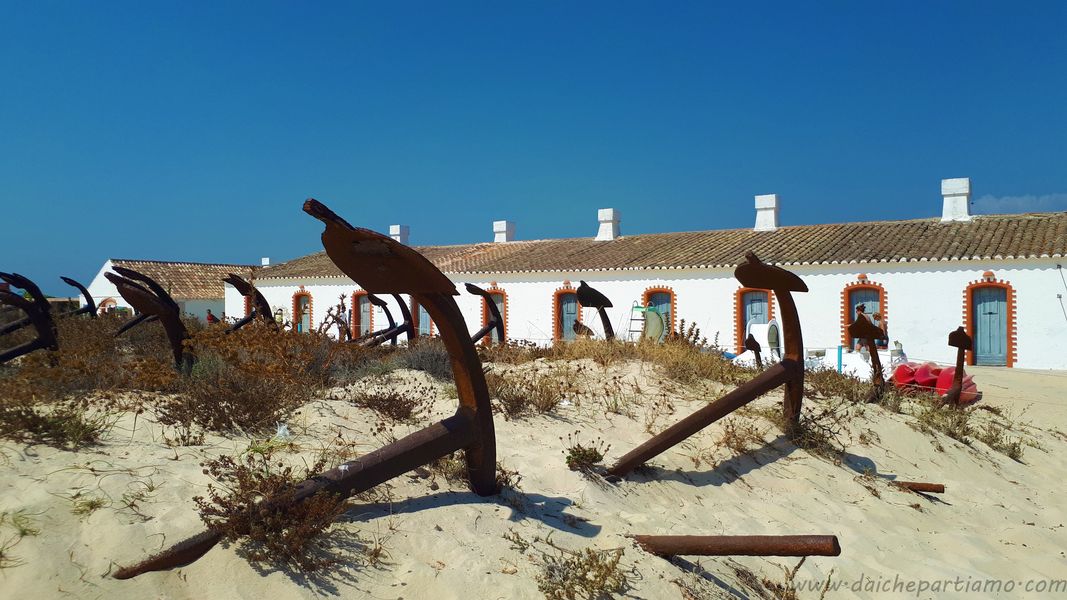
point(962, 342)
point(260, 306)
point(38, 312)
point(89, 309)
point(588, 296)
point(152, 301)
point(382, 265)
point(789, 372)
point(496, 321)
point(862, 328)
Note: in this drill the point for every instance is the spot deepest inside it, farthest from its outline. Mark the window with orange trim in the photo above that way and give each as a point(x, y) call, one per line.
point(302, 309)
point(566, 311)
point(751, 305)
point(362, 314)
point(661, 299)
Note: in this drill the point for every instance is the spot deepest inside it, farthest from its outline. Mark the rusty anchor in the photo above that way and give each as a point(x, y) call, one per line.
point(589, 296)
point(260, 306)
point(962, 342)
point(382, 265)
point(753, 345)
point(739, 545)
point(788, 373)
point(89, 309)
point(38, 312)
point(864, 329)
point(495, 320)
point(90, 304)
point(393, 331)
point(152, 301)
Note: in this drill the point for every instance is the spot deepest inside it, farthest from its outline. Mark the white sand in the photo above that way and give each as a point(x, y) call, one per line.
point(999, 518)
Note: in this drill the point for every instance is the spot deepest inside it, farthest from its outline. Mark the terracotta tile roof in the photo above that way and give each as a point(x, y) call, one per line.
point(984, 237)
point(186, 280)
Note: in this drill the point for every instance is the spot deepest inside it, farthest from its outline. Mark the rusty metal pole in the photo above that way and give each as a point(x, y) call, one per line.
point(753, 345)
point(962, 342)
point(382, 265)
point(919, 486)
point(740, 545)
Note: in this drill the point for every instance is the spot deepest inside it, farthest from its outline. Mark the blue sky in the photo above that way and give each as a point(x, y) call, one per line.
point(194, 131)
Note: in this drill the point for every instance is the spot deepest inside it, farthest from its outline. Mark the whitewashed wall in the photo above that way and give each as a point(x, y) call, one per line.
point(101, 289)
point(925, 302)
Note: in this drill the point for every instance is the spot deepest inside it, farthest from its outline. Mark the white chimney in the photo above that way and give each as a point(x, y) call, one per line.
point(956, 194)
point(766, 212)
point(609, 224)
point(503, 231)
point(400, 233)
point(265, 261)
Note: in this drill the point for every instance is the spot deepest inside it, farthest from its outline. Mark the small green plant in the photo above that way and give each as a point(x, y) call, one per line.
point(86, 505)
point(583, 457)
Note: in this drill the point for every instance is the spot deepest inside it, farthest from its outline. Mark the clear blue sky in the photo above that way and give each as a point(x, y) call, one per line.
point(194, 131)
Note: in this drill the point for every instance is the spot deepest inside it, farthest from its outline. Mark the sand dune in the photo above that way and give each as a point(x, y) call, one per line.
point(421, 536)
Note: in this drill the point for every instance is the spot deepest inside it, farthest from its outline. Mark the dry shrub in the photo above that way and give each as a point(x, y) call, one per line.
point(248, 380)
point(250, 504)
point(828, 383)
point(740, 436)
point(519, 394)
point(427, 355)
point(513, 352)
point(585, 574)
point(397, 407)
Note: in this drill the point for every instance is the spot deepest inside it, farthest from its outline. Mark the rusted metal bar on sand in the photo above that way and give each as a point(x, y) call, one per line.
point(753, 345)
point(152, 300)
point(789, 372)
point(739, 545)
point(962, 342)
point(382, 265)
point(919, 486)
point(588, 296)
point(862, 328)
point(38, 312)
point(496, 321)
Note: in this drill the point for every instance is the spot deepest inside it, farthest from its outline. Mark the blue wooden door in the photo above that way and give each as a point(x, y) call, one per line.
point(990, 318)
point(498, 299)
point(756, 309)
point(661, 303)
point(869, 299)
point(364, 311)
point(425, 324)
point(568, 314)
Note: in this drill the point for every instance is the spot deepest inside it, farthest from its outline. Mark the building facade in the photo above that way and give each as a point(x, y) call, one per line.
point(997, 275)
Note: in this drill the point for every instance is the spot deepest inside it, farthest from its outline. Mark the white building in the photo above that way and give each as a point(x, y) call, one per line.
point(196, 287)
point(997, 275)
